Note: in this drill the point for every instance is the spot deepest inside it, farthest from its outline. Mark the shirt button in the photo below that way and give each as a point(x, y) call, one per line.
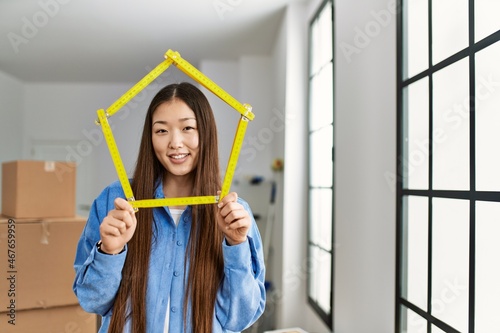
point(179, 243)
point(174, 309)
point(176, 273)
point(186, 219)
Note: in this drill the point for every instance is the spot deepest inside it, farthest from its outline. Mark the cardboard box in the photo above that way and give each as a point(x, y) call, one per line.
point(38, 189)
point(36, 262)
point(52, 320)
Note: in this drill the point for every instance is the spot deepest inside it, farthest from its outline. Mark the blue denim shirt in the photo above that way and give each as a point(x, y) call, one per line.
point(241, 296)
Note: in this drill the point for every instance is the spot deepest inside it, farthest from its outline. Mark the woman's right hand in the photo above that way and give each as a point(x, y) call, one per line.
point(118, 227)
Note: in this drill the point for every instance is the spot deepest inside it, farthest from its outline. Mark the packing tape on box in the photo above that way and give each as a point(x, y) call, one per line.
point(49, 166)
point(45, 234)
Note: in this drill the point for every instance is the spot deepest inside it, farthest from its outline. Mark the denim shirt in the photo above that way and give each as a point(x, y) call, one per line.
point(240, 299)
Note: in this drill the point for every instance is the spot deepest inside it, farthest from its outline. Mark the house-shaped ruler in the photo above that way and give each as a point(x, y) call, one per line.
point(245, 110)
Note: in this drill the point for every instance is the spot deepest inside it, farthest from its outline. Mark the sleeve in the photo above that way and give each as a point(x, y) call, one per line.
point(98, 275)
point(242, 296)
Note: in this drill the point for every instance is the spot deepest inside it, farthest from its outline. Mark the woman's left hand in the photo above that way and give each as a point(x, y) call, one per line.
point(233, 220)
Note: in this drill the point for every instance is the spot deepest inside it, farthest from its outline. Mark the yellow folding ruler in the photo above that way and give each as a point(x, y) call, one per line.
point(245, 110)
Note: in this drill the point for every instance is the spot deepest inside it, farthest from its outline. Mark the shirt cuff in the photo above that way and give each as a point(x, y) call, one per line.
point(104, 260)
point(237, 256)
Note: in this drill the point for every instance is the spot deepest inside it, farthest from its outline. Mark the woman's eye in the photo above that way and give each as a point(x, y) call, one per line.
point(160, 131)
point(188, 128)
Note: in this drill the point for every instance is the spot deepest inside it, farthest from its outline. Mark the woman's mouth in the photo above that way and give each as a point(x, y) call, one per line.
point(178, 158)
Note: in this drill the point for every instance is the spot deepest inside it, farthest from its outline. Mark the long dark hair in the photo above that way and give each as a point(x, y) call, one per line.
point(205, 241)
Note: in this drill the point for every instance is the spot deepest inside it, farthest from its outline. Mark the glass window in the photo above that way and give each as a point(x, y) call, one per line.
point(486, 17)
point(321, 101)
point(321, 143)
point(487, 272)
point(321, 127)
point(451, 119)
point(436, 329)
point(417, 37)
point(450, 261)
point(450, 30)
point(415, 240)
point(487, 118)
point(321, 216)
point(416, 141)
point(448, 186)
point(411, 322)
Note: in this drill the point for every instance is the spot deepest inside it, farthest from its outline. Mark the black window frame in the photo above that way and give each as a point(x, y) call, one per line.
point(472, 195)
point(327, 318)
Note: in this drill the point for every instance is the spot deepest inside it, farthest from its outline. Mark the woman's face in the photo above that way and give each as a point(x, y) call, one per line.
point(175, 137)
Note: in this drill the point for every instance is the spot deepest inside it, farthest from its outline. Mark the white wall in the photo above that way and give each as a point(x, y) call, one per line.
point(11, 107)
point(290, 251)
point(256, 88)
point(274, 262)
point(365, 149)
point(11, 118)
point(287, 264)
point(225, 74)
point(249, 81)
point(295, 172)
point(365, 137)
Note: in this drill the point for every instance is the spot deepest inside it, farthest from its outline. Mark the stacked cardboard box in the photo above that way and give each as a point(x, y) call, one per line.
point(37, 252)
point(38, 189)
point(38, 268)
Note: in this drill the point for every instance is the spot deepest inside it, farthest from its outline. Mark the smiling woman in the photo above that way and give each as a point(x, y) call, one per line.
point(185, 265)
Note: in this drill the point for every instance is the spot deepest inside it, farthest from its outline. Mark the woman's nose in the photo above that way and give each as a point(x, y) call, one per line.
point(175, 140)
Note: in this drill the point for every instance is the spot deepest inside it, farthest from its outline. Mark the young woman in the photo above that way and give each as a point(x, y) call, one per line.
point(172, 269)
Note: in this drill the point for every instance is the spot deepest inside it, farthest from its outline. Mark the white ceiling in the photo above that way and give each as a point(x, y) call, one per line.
point(121, 40)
